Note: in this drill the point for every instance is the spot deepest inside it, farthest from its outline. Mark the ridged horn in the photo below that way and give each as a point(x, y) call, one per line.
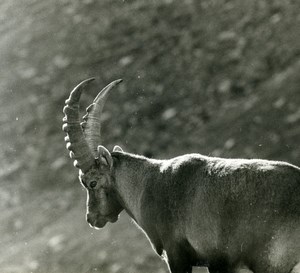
point(92, 122)
point(76, 143)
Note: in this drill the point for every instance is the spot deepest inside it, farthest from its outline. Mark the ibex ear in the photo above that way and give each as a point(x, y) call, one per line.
point(104, 156)
point(117, 149)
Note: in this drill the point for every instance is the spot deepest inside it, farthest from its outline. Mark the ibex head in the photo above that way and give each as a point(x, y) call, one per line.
point(94, 161)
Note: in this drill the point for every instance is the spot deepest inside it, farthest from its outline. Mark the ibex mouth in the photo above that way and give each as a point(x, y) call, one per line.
point(97, 224)
point(101, 221)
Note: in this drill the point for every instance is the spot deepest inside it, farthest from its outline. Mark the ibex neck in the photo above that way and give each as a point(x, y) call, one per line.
point(132, 173)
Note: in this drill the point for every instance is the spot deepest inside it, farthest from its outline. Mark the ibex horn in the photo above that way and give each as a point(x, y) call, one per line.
point(92, 123)
point(76, 142)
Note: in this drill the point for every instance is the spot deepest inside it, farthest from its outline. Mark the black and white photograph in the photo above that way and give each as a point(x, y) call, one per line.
point(150, 136)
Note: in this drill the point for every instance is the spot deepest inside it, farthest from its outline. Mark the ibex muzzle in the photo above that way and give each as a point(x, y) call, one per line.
point(227, 214)
point(102, 204)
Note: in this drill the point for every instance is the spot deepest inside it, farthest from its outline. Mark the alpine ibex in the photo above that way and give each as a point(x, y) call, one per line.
point(196, 210)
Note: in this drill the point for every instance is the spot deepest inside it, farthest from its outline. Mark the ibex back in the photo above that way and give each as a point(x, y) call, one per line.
point(226, 214)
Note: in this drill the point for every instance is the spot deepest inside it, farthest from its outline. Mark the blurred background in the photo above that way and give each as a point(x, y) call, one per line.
point(218, 77)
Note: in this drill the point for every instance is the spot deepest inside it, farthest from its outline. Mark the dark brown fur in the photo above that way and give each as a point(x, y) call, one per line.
point(227, 214)
point(204, 211)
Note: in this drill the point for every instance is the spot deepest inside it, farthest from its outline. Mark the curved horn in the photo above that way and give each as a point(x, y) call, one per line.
point(76, 143)
point(92, 123)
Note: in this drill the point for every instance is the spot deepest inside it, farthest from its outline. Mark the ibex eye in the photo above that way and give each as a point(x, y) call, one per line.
point(93, 184)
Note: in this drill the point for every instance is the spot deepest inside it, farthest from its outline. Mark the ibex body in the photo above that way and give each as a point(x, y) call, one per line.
point(196, 210)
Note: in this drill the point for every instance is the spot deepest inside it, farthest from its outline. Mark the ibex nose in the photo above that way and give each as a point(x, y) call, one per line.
point(94, 221)
point(90, 218)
